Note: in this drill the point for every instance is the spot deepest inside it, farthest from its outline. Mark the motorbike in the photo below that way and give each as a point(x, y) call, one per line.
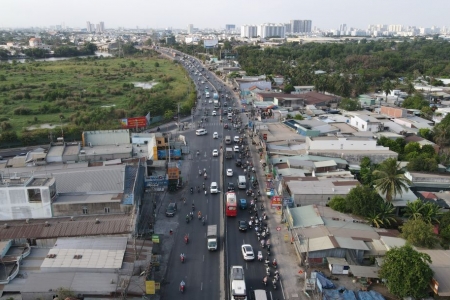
point(182, 286)
point(186, 239)
point(268, 271)
point(187, 219)
point(203, 221)
point(192, 190)
point(265, 281)
point(205, 176)
point(274, 282)
point(260, 256)
point(274, 263)
point(277, 275)
point(263, 243)
point(182, 257)
point(199, 171)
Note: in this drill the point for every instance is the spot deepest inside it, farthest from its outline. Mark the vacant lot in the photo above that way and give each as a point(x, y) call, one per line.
point(89, 93)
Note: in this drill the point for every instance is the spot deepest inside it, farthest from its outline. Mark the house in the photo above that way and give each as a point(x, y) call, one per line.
point(365, 123)
point(393, 112)
point(321, 100)
point(291, 102)
point(301, 89)
point(440, 265)
point(35, 42)
point(319, 232)
point(422, 142)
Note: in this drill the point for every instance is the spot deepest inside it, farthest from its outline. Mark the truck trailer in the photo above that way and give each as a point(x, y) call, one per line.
point(211, 237)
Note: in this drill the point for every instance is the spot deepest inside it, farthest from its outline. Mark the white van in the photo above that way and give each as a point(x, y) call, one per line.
point(207, 94)
point(230, 116)
point(242, 184)
point(201, 132)
point(228, 139)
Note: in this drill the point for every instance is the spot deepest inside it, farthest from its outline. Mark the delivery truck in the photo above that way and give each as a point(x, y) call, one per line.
point(211, 237)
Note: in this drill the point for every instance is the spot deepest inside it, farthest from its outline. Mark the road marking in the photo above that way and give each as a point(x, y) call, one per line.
point(282, 290)
point(201, 286)
point(271, 295)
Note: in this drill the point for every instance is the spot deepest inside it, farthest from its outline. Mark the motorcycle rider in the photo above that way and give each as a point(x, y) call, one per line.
point(182, 284)
point(182, 256)
point(199, 214)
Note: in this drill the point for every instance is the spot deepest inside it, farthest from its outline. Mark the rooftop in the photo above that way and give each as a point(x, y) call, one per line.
point(441, 268)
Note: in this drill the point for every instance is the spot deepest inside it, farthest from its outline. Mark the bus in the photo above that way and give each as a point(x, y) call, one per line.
point(238, 290)
point(260, 295)
point(231, 208)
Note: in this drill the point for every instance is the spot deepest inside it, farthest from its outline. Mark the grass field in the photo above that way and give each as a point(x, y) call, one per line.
point(76, 90)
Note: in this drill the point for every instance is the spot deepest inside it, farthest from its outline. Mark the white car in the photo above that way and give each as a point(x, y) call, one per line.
point(215, 152)
point(236, 148)
point(214, 189)
point(210, 101)
point(236, 139)
point(215, 135)
point(214, 113)
point(247, 252)
point(229, 172)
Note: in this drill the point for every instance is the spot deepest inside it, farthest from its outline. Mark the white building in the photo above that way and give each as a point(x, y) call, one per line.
point(35, 42)
point(271, 30)
point(249, 31)
point(190, 29)
point(342, 143)
point(365, 123)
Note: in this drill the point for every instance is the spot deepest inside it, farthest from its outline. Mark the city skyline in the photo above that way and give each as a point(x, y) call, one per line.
point(324, 14)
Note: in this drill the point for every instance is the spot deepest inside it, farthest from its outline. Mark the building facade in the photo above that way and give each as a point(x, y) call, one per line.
point(249, 31)
point(271, 30)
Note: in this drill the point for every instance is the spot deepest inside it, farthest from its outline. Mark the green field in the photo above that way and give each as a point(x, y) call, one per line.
point(89, 93)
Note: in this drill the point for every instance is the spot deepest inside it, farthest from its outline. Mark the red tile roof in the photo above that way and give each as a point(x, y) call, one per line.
point(429, 195)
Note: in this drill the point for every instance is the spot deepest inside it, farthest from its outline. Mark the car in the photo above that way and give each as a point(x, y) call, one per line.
point(229, 172)
point(214, 113)
point(247, 252)
point(210, 101)
point(171, 209)
point(238, 162)
point(215, 135)
point(224, 104)
point(236, 139)
point(215, 152)
point(230, 187)
point(213, 188)
point(201, 132)
point(242, 225)
point(236, 149)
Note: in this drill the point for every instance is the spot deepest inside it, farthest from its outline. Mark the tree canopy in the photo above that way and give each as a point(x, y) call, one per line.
point(407, 272)
point(390, 180)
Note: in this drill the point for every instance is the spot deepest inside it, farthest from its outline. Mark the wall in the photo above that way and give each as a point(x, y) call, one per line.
point(393, 112)
point(343, 144)
point(363, 125)
point(15, 203)
point(308, 199)
point(355, 158)
point(76, 209)
point(104, 157)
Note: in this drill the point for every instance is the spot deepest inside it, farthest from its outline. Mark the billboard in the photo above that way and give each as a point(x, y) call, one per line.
point(129, 123)
point(210, 43)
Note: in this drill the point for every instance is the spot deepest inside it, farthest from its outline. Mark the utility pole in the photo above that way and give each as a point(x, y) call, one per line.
point(178, 116)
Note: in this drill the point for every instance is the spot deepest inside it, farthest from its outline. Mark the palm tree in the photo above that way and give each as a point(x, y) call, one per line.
point(431, 213)
point(410, 89)
point(413, 210)
point(387, 87)
point(390, 181)
point(383, 216)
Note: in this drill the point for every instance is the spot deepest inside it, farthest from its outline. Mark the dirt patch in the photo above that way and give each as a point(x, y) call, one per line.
point(42, 126)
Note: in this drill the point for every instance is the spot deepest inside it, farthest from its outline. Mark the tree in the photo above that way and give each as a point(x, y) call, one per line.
point(419, 233)
point(349, 104)
point(382, 216)
point(407, 272)
point(338, 203)
point(410, 89)
point(425, 133)
point(168, 114)
point(365, 173)
point(362, 200)
point(390, 181)
point(288, 88)
point(298, 117)
point(413, 210)
point(417, 101)
point(387, 87)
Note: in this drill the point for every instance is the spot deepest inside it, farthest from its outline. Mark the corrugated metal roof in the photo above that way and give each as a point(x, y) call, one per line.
point(305, 216)
point(316, 244)
point(64, 227)
point(349, 243)
point(441, 268)
point(365, 271)
point(326, 163)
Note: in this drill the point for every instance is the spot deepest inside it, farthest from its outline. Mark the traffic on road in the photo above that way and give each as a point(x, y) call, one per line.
point(224, 245)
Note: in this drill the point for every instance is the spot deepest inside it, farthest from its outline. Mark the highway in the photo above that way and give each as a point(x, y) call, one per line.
point(200, 271)
point(205, 275)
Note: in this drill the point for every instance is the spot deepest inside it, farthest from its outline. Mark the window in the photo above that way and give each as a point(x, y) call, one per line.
point(356, 123)
point(34, 195)
point(106, 210)
point(342, 146)
point(362, 126)
point(85, 211)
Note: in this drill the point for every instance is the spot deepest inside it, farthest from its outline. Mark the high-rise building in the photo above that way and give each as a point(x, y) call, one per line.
point(88, 26)
point(343, 27)
point(267, 30)
point(300, 26)
point(230, 27)
point(287, 28)
point(102, 26)
point(190, 29)
point(249, 31)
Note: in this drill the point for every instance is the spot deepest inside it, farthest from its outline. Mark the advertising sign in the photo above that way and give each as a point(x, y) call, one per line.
point(156, 181)
point(275, 201)
point(129, 123)
point(174, 173)
point(210, 43)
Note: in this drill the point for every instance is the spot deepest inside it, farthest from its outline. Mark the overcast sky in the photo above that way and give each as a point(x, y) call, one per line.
point(325, 14)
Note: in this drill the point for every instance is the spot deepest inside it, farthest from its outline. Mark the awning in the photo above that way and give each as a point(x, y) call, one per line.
point(362, 271)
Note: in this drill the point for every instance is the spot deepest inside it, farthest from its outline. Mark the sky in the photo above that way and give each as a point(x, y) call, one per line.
point(325, 14)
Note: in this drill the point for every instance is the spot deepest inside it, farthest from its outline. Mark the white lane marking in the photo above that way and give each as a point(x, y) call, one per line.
point(201, 286)
point(282, 290)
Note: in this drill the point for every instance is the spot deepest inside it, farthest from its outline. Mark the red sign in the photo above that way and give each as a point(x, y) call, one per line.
point(275, 201)
point(139, 122)
point(265, 136)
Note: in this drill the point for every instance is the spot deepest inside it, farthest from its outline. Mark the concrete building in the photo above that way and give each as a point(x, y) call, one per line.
point(249, 31)
point(267, 30)
point(366, 123)
point(35, 43)
point(190, 28)
point(230, 27)
point(300, 26)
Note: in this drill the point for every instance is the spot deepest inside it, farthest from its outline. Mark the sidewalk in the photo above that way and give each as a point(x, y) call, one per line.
point(292, 282)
